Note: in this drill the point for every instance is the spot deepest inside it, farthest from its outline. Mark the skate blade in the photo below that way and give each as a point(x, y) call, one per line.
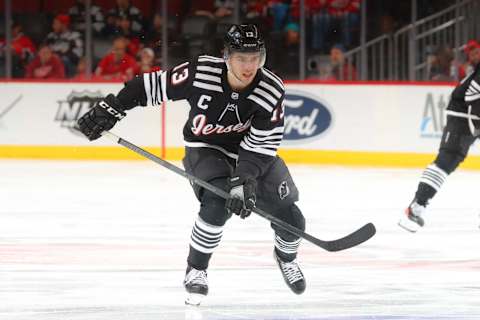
point(408, 225)
point(194, 299)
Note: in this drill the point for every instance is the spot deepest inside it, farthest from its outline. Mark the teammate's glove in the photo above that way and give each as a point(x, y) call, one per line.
point(101, 117)
point(242, 196)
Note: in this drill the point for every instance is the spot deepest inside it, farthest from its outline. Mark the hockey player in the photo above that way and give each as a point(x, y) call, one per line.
point(461, 130)
point(234, 128)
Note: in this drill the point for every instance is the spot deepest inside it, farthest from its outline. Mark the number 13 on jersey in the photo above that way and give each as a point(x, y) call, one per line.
point(180, 74)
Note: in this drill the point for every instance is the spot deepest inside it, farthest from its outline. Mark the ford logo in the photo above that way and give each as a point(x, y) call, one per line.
point(306, 116)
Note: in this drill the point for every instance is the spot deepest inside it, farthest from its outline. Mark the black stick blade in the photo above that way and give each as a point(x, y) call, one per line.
point(351, 240)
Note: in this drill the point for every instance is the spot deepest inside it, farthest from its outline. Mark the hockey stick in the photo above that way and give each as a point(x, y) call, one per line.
point(359, 236)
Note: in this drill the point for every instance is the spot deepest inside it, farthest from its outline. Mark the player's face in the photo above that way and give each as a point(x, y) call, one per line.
point(245, 65)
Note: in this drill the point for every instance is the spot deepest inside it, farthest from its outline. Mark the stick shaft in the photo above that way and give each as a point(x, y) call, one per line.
point(212, 188)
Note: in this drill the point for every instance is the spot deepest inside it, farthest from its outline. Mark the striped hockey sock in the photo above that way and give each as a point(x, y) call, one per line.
point(205, 237)
point(434, 177)
point(286, 247)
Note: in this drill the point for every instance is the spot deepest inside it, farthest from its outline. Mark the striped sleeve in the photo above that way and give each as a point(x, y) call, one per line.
point(161, 86)
point(155, 87)
point(263, 141)
point(265, 95)
point(473, 91)
point(266, 132)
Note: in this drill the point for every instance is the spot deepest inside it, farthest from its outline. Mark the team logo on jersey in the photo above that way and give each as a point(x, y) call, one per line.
point(230, 108)
point(283, 190)
point(306, 116)
point(76, 104)
point(433, 118)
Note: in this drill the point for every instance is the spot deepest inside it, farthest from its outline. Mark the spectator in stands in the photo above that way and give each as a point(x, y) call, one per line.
point(124, 9)
point(118, 64)
point(196, 8)
point(78, 17)
point(472, 51)
point(386, 25)
point(155, 31)
point(146, 62)
point(340, 68)
point(321, 23)
point(223, 8)
point(23, 50)
point(330, 15)
point(153, 38)
point(347, 15)
point(123, 29)
point(81, 72)
point(256, 9)
point(278, 11)
point(292, 31)
point(67, 44)
point(256, 12)
point(285, 60)
point(439, 65)
point(46, 65)
point(212, 9)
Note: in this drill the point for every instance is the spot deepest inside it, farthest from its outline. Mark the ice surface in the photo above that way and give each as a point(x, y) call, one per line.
point(109, 240)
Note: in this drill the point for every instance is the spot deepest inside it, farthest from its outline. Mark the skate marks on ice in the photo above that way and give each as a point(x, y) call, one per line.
point(74, 252)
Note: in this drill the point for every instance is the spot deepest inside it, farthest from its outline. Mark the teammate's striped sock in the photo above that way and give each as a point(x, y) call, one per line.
point(434, 177)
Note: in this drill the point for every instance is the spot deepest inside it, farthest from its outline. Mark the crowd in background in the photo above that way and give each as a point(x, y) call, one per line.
point(128, 42)
point(442, 65)
point(61, 54)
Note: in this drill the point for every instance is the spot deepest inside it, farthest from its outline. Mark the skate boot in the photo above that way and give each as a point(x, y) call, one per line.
point(292, 274)
point(413, 218)
point(196, 284)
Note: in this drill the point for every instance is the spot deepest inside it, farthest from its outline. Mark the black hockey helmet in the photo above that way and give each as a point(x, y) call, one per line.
point(244, 38)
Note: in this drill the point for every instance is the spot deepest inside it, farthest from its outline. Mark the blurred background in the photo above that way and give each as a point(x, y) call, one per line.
point(334, 40)
point(368, 85)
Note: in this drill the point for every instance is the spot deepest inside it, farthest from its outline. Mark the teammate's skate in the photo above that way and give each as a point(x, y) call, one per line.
point(196, 284)
point(292, 274)
point(413, 218)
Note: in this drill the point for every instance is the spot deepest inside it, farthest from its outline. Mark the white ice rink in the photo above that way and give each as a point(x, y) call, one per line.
point(109, 240)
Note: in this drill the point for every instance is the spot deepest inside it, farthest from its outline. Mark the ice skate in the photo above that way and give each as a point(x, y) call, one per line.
point(413, 218)
point(196, 284)
point(292, 274)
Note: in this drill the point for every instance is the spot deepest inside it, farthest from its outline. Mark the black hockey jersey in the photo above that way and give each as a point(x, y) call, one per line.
point(466, 96)
point(245, 125)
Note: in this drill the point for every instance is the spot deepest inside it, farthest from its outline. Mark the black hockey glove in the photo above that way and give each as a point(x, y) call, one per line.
point(242, 196)
point(101, 117)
